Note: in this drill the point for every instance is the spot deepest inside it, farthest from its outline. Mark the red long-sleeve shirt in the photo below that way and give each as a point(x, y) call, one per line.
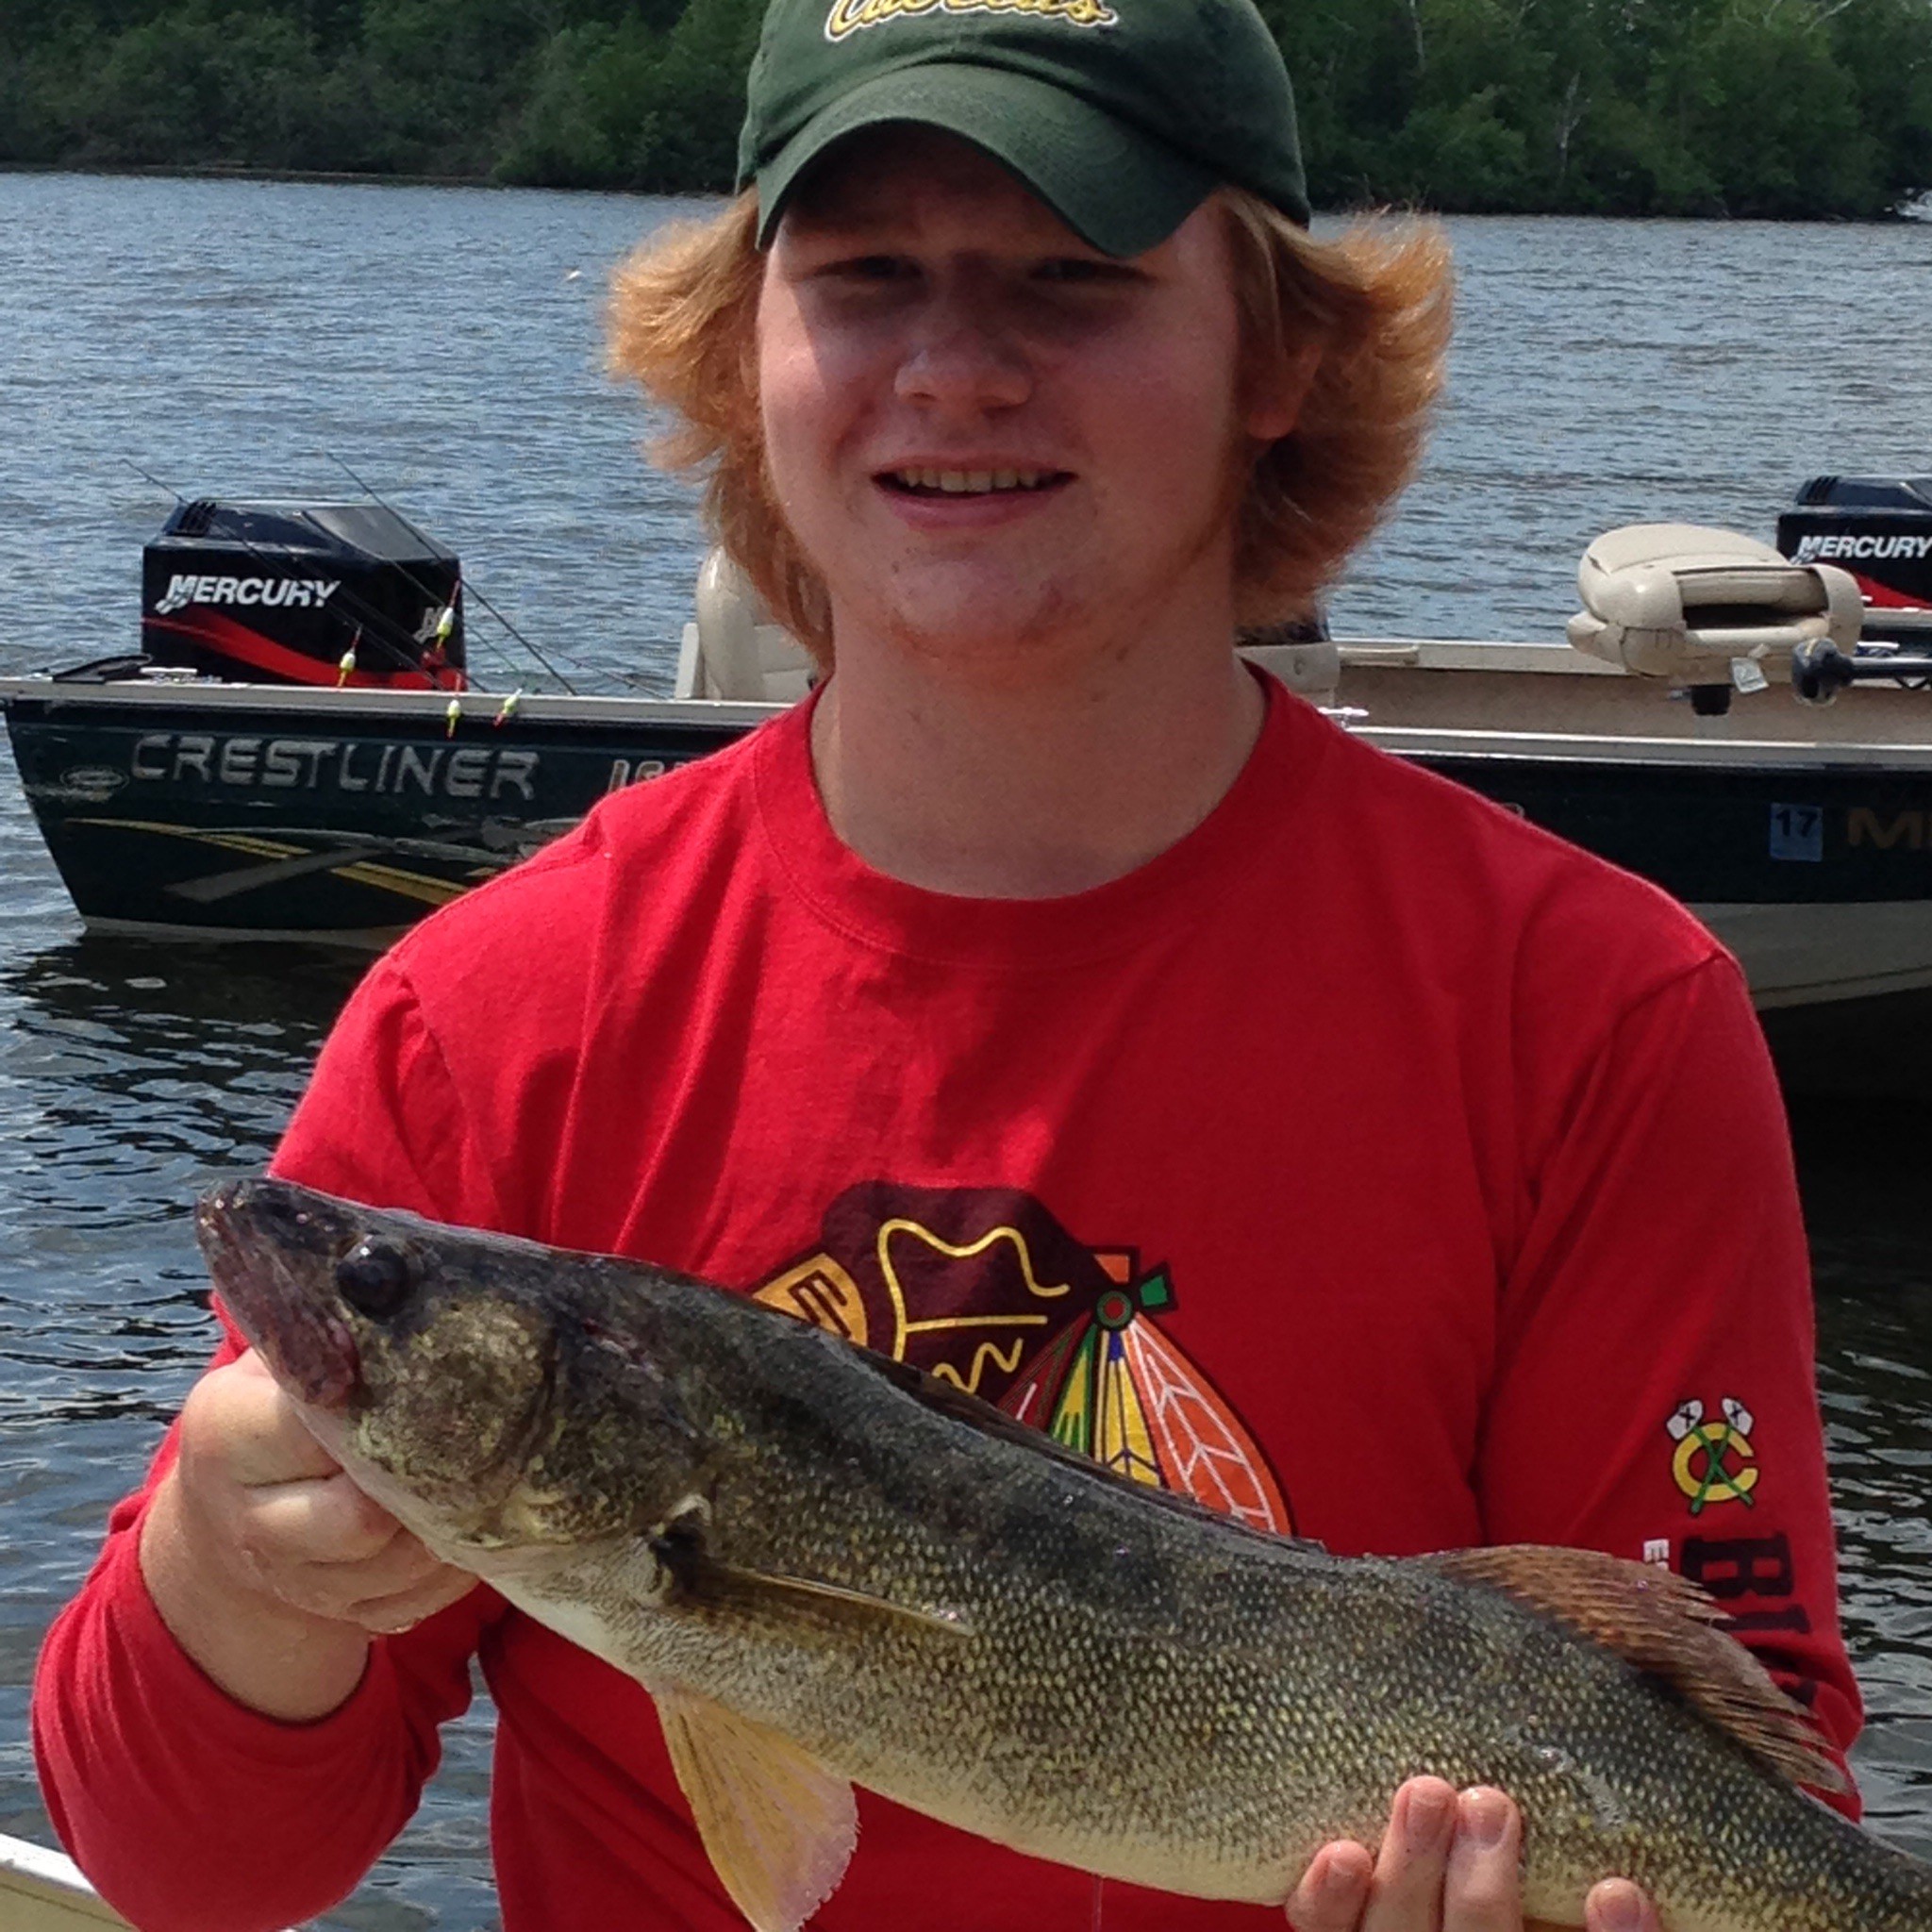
point(1371, 1163)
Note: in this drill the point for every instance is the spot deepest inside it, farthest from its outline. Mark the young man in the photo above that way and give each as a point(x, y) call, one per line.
point(1050, 1002)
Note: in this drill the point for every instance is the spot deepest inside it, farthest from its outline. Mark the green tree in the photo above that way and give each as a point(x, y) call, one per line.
point(1884, 49)
point(1651, 106)
point(1774, 118)
point(699, 97)
point(203, 86)
point(591, 118)
point(450, 75)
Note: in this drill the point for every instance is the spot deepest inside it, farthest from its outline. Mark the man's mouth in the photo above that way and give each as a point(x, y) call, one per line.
point(920, 482)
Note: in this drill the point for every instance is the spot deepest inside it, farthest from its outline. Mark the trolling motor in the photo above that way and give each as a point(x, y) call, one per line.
point(326, 594)
point(1820, 672)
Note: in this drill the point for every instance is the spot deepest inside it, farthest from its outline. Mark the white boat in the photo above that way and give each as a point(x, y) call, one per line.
point(44, 1891)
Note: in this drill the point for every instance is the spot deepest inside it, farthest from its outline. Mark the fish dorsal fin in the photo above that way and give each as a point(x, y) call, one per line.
point(1661, 1624)
point(778, 1827)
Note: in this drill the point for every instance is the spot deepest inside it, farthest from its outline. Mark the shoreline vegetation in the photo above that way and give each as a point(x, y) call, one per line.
point(1780, 109)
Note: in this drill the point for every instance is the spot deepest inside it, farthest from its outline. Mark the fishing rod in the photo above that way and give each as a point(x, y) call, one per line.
point(472, 588)
point(155, 480)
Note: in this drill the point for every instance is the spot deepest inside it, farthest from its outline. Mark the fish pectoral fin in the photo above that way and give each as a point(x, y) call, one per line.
point(681, 1549)
point(1660, 1623)
point(829, 1602)
point(778, 1827)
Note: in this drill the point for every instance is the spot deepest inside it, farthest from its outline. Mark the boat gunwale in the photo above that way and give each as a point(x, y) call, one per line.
point(35, 694)
point(473, 706)
point(53, 1889)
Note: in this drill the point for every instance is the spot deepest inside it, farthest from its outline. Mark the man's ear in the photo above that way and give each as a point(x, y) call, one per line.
point(1274, 405)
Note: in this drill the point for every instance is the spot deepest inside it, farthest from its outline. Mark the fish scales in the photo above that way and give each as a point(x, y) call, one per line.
point(930, 1602)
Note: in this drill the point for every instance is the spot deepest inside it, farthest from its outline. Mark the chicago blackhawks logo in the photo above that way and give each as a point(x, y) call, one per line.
point(1714, 1461)
point(983, 1288)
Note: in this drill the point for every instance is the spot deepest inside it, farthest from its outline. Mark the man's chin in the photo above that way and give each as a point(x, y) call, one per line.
point(964, 621)
point(984, 647)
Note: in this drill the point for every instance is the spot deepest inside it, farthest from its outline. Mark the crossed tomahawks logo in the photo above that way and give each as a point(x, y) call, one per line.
point(1714, 1461)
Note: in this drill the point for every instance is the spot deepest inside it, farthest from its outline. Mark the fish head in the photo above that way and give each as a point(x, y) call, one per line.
point(482, 1389)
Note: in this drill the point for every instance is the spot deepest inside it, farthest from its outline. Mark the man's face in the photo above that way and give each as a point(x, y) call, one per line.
point(997, 445)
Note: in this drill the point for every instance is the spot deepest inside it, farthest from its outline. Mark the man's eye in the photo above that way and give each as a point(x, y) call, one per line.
point(1080, 268)
point(868, 268)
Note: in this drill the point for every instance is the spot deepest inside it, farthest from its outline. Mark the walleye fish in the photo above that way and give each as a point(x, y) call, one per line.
point(830, 1570)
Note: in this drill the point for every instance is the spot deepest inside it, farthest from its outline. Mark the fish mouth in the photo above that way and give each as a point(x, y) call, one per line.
point(257, 1241)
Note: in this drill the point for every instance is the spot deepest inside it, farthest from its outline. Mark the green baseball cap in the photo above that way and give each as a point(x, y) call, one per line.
point(1121, 115)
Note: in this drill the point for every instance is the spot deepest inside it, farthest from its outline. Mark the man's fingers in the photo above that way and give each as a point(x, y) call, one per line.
point(400, 1586)
point(1333, 1890)
point(293, 1525)
point(1483, 1889)
point(1447, 1863)
point(390, 1616)
point(319, 1521)
point(1617, 1906)
point(240, 1414)
point(1407, 1893)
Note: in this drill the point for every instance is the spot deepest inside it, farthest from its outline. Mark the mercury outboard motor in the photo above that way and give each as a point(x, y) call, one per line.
point(1880, 529)
point(287, 593)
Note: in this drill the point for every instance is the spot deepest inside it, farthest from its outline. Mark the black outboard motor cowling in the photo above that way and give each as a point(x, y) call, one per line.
point(1880, 529)
point(291, 593)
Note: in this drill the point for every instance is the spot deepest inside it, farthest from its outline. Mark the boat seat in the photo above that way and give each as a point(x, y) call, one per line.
point(1695, 606)
point(734, 650)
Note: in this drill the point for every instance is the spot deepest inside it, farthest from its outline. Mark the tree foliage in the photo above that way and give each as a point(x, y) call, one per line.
point(1777, 108)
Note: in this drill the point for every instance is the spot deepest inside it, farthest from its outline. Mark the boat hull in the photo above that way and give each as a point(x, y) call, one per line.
point(230, 812)
point(246, 812)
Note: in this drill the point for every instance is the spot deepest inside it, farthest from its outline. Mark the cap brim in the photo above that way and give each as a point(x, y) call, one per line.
point(1119, 190)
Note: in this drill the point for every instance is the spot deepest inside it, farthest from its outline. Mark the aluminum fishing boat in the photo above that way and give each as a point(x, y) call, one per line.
point(297, 753)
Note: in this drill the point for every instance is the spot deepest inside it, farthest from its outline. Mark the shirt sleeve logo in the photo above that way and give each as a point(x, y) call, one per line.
point(1714, 1461)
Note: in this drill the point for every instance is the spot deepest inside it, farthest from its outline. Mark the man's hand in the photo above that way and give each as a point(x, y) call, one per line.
point(1448, 1864)
point(269, 1565)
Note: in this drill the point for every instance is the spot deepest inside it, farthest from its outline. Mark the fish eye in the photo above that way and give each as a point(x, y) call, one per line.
point(375, 1278)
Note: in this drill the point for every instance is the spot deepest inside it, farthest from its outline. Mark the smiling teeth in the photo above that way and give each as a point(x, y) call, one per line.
point(972, 482)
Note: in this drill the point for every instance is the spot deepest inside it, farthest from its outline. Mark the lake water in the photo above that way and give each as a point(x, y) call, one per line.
point(234, 336)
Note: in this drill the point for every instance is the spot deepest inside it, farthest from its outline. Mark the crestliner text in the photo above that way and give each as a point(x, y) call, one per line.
point(334, 764)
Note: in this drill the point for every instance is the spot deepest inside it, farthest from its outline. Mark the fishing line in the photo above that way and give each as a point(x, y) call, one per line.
point(468, 587)
point(155, 480)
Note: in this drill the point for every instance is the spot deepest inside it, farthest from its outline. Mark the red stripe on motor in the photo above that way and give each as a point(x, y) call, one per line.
point(1883, 597)
point(233, 640)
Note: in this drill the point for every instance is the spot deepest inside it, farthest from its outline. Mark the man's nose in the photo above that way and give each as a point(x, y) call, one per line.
point(961, 355)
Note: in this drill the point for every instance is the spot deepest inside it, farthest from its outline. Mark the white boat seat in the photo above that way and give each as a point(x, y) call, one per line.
point(1681, 601)
point(734, 650)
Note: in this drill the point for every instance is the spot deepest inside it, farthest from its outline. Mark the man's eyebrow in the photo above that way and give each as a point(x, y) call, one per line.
point(807, 219)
